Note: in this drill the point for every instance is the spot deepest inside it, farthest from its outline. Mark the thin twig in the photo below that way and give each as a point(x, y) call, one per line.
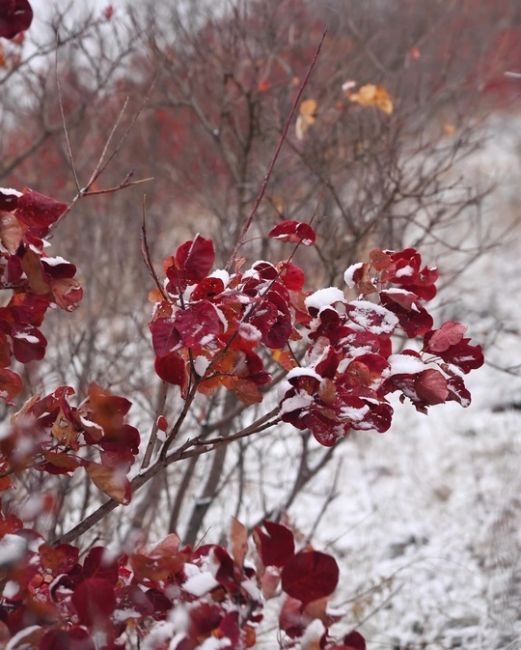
point(64, 124)
point(247, 224)
point(145, 250)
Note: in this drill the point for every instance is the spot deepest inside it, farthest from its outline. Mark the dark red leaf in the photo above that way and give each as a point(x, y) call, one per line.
point(10, 384)
point(94, 601)
point(165, 336)
point(458, 392)
point(39, 211)
point(197, 323)
point(352, 641)
point(8, 199)
point(275, 546)
point(465, 356)
point(28, 344)
point(293, 231)
point(15, 16)
point(171, 368)
point(195, 258)
point(76, 637)
point(310, 575)
point(99, 564)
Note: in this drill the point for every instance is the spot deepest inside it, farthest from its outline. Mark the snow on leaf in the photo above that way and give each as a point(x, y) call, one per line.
point(371, 317)
point(324, 298)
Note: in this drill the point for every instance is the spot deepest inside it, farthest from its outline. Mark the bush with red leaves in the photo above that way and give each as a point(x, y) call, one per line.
point(211, 329)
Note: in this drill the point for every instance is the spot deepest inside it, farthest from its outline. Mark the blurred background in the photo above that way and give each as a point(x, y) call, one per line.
point(425, 520)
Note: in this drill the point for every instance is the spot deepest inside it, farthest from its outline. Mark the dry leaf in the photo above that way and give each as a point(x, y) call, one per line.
point(111, 481)
point(238, 541)
point(373, 95)
point(449, 129)
point(307, 117)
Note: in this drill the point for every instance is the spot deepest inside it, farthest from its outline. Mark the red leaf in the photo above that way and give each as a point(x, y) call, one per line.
point(8, 198)
point(294, 232)
point(99, 564)
point(195, 258)
point(450, 333)
point(352, 641)
point(371, 317)
point(39, 211)
point(10, 384)
point(431, 386)
point(15, 16)
point(276, 546)
point(94, 600)
point(458, 392)
point(165, 337)
point(162, 423)
point(28, 344)
point(197, 322)
point(76, 637)
point(67, 293)
point(292, 276)
point(465, 356)
point(171, 368)
point(310, 575)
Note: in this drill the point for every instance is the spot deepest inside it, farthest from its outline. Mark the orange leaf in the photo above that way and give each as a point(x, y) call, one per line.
point(284, 359)
point(307, 117)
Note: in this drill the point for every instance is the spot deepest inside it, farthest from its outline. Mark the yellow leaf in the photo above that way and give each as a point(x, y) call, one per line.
point(373, 95)
point(307, 117)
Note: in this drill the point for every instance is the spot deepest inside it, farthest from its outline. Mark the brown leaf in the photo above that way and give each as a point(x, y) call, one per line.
point(111, 481)
point(11, 232)
point(238, 541)
point(64, 431)
point(32, 267)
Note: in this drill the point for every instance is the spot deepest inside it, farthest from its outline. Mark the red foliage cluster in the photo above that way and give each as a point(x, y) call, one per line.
point(219, 327)
point(349, 367)
point(50, 435)
point(170, 596)
point(37, 280)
